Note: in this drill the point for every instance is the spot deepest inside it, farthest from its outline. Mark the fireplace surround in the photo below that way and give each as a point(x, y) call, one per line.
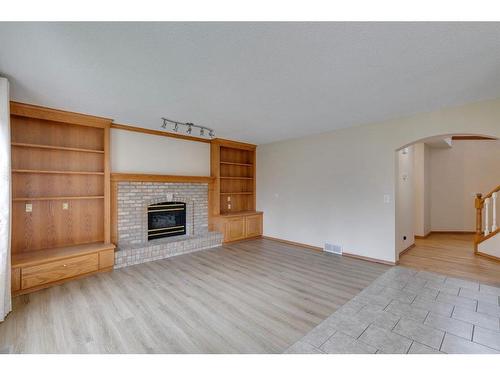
point(135, 200)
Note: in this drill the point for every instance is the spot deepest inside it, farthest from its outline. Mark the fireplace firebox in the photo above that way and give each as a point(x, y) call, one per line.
point(166, 219)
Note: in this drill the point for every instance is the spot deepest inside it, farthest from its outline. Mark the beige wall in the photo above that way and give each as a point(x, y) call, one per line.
point(457, 174)
point(405, 198)
point(331, 187)
point(135, 152)
point(422, 189)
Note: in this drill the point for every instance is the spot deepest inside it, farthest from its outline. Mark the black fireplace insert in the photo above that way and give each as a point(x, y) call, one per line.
point(166, 219)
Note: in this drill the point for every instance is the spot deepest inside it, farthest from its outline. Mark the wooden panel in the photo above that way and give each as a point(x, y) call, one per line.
point(253, 226)
point(48, 225)
point(232, 170)
point(235, 155)
point(239, 203)
point(107, 186)
point(38, 112)
point(159, 178)
point(58, 270)
point(235, 229)
point(49, 255)
point(107, 258)
point(236, 186)
point(36, 131)
point(15, 279)
point(53, 185)
point(47, 159)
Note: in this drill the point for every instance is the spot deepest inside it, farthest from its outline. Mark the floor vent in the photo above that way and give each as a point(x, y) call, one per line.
point(332, 248)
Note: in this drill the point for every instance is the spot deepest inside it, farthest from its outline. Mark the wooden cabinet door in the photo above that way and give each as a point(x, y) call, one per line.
point(235, 229)
point(253, 226)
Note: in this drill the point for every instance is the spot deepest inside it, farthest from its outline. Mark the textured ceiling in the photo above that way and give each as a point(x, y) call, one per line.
point(256, 82)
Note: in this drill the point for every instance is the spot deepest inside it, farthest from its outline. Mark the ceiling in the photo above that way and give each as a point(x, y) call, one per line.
point(255, 82)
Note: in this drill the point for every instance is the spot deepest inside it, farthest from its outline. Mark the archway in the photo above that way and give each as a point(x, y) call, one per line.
point(436, 180)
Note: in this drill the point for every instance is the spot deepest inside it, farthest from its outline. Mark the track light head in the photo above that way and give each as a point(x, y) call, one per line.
point(176, 127)
point(190, 128)
point(202, 132)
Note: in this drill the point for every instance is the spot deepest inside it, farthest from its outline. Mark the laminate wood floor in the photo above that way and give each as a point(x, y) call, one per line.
point(258, 296)
point(452, 254)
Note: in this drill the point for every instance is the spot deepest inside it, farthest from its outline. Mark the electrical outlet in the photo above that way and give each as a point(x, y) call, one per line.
point(65, 206)
point(29, 207)
point(229, 198)
point(229, 206)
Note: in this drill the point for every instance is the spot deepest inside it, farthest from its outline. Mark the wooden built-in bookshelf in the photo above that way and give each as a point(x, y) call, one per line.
point(233, 194)
point(60, 196)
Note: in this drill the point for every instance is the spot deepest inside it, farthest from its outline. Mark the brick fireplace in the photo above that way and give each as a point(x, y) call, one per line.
point(134, 202)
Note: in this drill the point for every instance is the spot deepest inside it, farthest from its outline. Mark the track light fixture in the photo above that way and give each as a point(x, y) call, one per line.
point(189, 127)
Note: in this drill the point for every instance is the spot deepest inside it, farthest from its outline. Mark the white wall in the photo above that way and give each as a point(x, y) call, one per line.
point(135, 152)
point(491, 246)
point(331, 187)
point(457, 174)
point(405, 199)
point(422, 189)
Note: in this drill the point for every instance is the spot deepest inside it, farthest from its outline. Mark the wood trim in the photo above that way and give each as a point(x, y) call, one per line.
point(309, 247)
point(59, 282)
point(234, 144)
point(484, 238)
point(487, 256)
point(159, 178)
point(491, 193)
point(114, 211)
point(472, 138)
point(373, 260)
point(408, 248)
point(451, 232)
point(107, 185)
point(159, 132)
point(44, 113)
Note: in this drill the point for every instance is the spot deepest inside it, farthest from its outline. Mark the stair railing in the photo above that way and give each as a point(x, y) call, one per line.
point(486, 206)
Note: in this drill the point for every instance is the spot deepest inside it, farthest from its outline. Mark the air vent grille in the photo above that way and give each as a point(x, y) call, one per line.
point(333, 248)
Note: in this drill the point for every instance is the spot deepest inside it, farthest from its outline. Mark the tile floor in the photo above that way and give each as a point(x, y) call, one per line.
point(410, 311)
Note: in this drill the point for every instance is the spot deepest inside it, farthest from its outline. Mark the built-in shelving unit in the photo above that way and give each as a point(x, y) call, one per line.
point(60, 196)
point(233, 194)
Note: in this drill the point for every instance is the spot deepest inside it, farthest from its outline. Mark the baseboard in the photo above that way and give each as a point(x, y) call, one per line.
point(309, 247)
point(452, 232)
point(487, 256)
point(423, 237)
point(319, 249)
point(368, 259)
point(407, 249)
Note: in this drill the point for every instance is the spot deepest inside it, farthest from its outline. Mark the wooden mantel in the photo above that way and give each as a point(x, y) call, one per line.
point(117, 177)
point(141, 177)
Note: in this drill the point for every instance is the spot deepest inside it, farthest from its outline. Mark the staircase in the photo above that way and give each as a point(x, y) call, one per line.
point(487, 240)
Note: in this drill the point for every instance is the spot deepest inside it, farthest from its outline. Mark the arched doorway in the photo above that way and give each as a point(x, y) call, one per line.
point(437, 179)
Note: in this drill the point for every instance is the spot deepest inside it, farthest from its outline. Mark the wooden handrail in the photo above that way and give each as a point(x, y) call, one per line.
point(496, 190)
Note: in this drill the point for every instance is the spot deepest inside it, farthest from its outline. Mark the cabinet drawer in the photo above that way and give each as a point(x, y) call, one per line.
point(59, 270)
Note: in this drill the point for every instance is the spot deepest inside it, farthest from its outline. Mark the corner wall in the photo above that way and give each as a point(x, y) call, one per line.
point(331, 187)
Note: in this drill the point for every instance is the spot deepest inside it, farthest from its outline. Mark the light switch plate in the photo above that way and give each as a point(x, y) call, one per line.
point(65, 206)
point(29, 207)
point(387, 198)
